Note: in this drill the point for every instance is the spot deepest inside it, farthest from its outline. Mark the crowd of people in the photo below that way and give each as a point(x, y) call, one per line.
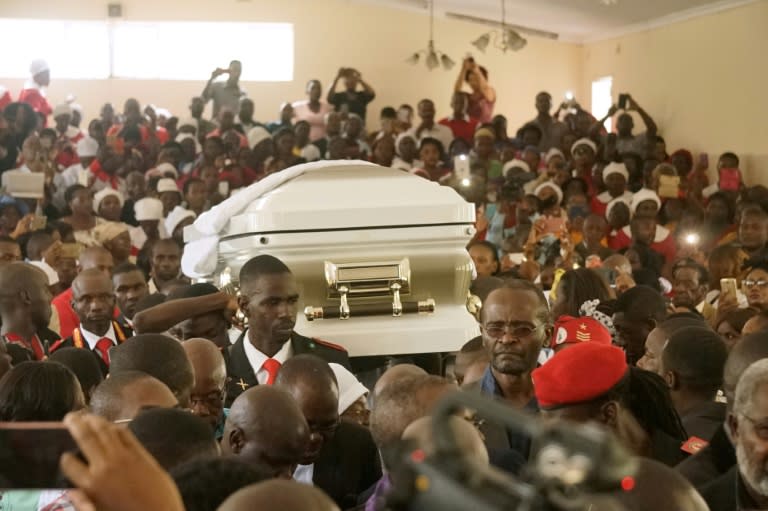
point(620, 284)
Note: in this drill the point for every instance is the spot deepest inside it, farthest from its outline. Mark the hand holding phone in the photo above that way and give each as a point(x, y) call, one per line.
point(728, 294)
point(30, 454)
point(623, 100)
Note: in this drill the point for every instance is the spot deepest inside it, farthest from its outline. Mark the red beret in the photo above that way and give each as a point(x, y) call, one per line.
point(570, 330)
point(578, 374)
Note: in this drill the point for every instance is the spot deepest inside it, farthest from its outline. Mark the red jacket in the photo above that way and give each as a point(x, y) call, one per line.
point(35, 99)
point(663, 243)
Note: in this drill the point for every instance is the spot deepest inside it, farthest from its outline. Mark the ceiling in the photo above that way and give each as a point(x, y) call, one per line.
point(576, 20)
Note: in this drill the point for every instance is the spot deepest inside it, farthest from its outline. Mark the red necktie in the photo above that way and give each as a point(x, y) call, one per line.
point(272, 367)
point(102, 347)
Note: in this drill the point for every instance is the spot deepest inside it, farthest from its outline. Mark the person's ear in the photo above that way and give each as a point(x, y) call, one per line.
point(24, 296)
point(609, 414)
point(672, 380)
point(733, 427)
point(236, 440)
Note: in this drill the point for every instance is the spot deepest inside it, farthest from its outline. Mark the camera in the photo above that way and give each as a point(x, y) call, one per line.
point(571, 467)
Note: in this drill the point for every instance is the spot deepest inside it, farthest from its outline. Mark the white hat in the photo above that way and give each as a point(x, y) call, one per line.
point(615, 201)
point(176, 216)
point(350, 389)
point(521, 164)
point(62, 109)
point(50, 273)
point(550, 184)
point(552, 153)
point(162, 170)
point(616, 168)
point(586, 142)
point(148, 208)
point(256, 135)
point(167, 185)
point(644, 195)
point(87, 147)
point(163, 112)
point(38, 66)
point(103, 194)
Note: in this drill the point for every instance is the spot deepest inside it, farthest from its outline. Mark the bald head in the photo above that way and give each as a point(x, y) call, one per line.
point(210, 376)
point(157, 355)
point(401, 403)
point(660, 488)
point(266, 428)
point(312, 383)
point(97, 257)
point(396, 373)
point(24, 295)
point(618, 263)
point(468, 440)
point(87, 278)
point(283, 495)
point(746, 352)
point(122, 396)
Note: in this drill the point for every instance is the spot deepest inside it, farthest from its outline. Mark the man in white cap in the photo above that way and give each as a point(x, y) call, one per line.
point(615, 179)
point(149, 213)
point(177, 220)
point(584, 152)
point(169, 194)
point(644, 207)
point(68, 136)
point(86, 149)
point(33, 92)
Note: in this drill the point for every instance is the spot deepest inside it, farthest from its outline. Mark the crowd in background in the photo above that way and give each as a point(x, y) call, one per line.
point(621, 282)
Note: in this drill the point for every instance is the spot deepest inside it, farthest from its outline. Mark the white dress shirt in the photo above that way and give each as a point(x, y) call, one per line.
point(92, 338)
point(256, 358)
point(304, 474)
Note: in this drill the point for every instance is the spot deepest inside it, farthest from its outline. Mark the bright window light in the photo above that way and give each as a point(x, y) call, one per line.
point(602, 99)
point(191, 50)
point(73, 49)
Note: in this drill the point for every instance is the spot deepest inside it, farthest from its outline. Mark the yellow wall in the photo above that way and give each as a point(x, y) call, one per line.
point(328, 34)
point(702, 80)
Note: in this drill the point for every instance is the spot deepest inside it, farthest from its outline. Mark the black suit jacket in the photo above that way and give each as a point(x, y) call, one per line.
point(348, 465)
point(240, 374)
point(69, 342)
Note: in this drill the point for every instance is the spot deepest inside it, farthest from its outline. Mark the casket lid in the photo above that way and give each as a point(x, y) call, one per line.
point(352, 196)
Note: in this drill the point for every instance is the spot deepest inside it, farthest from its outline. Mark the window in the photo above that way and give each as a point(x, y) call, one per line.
point(147, 50)
point(191, 50)
point(602, 100)
point(73, 49)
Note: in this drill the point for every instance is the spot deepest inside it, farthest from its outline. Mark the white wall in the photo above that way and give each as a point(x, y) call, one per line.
point(328, 34)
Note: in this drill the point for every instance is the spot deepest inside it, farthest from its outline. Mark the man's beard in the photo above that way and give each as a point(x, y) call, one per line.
point(754, 474)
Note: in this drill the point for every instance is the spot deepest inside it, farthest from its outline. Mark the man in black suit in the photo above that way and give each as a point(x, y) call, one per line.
point(25, 308)
point(93, 299)
point(341, 458)
point(269, 299)
point(745, 486)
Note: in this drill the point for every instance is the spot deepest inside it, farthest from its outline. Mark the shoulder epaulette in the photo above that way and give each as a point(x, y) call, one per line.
point(329, 345)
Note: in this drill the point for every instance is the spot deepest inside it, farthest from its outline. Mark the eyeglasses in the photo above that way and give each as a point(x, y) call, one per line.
point(762, 284)
point(760, 426)
point(518, 331)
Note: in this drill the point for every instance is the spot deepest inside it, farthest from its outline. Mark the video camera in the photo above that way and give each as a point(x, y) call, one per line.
point(571, 467)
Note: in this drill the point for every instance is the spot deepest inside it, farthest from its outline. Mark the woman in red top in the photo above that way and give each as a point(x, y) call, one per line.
point(483, 96)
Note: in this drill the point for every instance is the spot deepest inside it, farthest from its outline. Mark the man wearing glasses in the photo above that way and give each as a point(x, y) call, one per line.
point(515, 322)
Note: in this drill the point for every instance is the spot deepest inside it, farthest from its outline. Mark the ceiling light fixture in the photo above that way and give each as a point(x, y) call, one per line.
point(504, 39)
point(433, 58)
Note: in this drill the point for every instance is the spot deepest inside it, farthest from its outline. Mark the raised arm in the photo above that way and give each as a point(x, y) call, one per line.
point(332, 88)
point(366, 86)
point(650, 126)
point(165, 316)
point(206, 94)
point(594, 131)
point(459, 85)
point(489, 93)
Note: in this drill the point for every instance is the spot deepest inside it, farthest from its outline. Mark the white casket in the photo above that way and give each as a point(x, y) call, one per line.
point(379, 256)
